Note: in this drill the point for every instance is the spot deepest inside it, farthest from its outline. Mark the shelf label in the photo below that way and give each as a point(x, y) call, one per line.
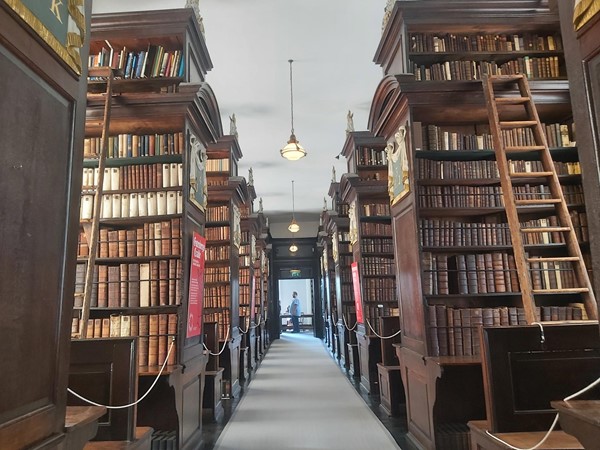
point(357, 297)
point(196, 291)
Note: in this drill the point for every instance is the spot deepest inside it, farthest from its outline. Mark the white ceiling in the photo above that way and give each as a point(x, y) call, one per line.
point(332, 43)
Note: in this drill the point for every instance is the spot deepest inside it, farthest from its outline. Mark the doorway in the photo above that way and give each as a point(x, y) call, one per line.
point(305, 289)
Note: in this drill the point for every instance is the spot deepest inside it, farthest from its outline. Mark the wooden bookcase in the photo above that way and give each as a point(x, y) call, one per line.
point(227, 194)
point(454, 261)
point(42, 114)
point(154, 200)
point(364, 189)
point(262, 286)
point(327, 272)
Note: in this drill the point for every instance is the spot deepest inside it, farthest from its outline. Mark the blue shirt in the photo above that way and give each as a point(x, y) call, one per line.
point(295, 307)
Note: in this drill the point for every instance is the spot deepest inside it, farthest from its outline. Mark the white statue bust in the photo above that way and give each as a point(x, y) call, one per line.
point(233, 126)
point(195, 5)
point(350, 120)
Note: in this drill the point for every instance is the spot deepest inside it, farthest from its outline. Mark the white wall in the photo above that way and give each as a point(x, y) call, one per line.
point(302, 287)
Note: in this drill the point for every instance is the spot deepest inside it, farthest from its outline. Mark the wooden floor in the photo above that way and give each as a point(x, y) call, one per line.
point(395, 425)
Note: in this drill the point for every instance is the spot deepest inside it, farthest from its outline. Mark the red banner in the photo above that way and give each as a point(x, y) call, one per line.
point(196, 291)
point(252, 299)
point(357, 297)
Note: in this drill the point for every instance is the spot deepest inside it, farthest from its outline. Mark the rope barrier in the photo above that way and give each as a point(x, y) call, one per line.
point(222, 350)
point(382, 337)
point(346, 324)
point(141, 398)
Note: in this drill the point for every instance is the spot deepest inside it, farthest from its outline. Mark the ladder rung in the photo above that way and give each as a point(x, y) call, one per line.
point(524, 148)
point(545, 229)
point(512, 100)
point(553, 259)
point(78, 294)
point(518, 124)
point(561, 291)
point(503, 78)
point(537, 201)
point(531, 174)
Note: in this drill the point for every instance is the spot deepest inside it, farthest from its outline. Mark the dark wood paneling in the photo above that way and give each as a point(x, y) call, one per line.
point(409, 275)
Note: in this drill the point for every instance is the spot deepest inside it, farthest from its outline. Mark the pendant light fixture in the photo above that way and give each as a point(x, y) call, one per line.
point(293, 248)
point(293, 151)
point(293, 226)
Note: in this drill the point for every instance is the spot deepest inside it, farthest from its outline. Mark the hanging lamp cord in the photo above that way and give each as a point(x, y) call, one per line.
point(291, 94)
point(293, 201)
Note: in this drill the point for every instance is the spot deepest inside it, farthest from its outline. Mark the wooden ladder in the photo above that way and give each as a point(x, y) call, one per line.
point(498, 109)
point(91, 227)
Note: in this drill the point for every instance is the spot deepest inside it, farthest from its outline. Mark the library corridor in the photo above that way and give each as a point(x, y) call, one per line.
point(300, 398)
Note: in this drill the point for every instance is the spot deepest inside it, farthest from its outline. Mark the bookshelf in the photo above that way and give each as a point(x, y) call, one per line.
point(153, 203)
point(455, 266)
point(262, 272)
point(227, 194)
point(38, 273)
point(327, 270)
point(364, 189)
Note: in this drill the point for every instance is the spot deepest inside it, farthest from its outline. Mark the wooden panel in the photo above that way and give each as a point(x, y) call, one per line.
point(105, 371)
point(513, 359)
point(417, 402)
point(409, 276)
point(34, 252)
point(192, 413)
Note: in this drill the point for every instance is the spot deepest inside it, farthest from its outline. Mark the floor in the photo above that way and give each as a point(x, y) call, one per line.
point(395, 425)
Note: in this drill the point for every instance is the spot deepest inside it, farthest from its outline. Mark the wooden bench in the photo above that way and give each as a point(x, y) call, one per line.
point(524, 369)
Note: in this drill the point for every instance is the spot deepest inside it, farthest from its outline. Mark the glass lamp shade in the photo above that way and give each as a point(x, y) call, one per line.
point(294, 227)
point(293, 248)
point(293, 151)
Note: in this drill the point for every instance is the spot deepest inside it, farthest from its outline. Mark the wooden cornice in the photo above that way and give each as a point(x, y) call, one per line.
point(162, 112)
point(227, 143)
point(390, 42)
point(235, 190)
point(353, 187)
point(356, 139)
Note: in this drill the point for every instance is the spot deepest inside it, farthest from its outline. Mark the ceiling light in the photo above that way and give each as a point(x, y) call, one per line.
point(293, 248)
point(293, 226)
point(293, 151)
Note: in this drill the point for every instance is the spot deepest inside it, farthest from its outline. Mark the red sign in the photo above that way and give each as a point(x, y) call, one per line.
point(252, 298)
point(196, 291)
point(357, 297)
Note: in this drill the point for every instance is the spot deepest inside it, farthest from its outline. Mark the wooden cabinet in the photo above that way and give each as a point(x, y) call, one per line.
point(42, 115)
point(153, 203)
point(454, 264)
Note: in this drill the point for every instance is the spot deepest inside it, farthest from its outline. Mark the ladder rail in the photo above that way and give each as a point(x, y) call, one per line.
point(92, 228)
point(556, 198)
point(509, 199)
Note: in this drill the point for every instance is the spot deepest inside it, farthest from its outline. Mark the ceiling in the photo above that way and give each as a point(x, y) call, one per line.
point(332, 43)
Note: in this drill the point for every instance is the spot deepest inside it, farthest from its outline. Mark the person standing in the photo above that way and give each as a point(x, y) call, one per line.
point(295, 312)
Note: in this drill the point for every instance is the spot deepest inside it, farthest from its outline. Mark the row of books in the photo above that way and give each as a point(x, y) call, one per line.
point(375, 265)
point(164, 440)
point(245, 261)
point(573, 193)
point(347, 293)
point(244, 276)
point(481, 273)
point(135, 204)
point(217, 274)
point(452, 436)
point(217, 165)
point(127, 145)
point(217, 233)
point(155, 334)
point(155, 61)
point(449, 233)
point(377, 245)
point(449, 42)
point(149, 239)
point(138, 176)
point(373, 176)
point(460, 197)
point(375, 229)
point(430, 169)
point(379, 290)
point(371, 157)
point(217, 252)
point(223, 319)
point(547, 67)
point(376, 209)
point(217, 296)
point(244, 296)
point(217, 213)
point(454, 331)
point(133, 285)
point(344, 236)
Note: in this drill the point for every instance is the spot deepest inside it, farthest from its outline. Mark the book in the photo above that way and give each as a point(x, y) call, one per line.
point(152, 203)
point(144, 284)
point(125, 326)
point(115, 325)
point(153, 339)
point(163, 328)
point(161, 203)
point(143, 340)
point(172, 202)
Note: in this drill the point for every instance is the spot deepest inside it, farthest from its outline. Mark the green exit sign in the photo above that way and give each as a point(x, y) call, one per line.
point(295, 273)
